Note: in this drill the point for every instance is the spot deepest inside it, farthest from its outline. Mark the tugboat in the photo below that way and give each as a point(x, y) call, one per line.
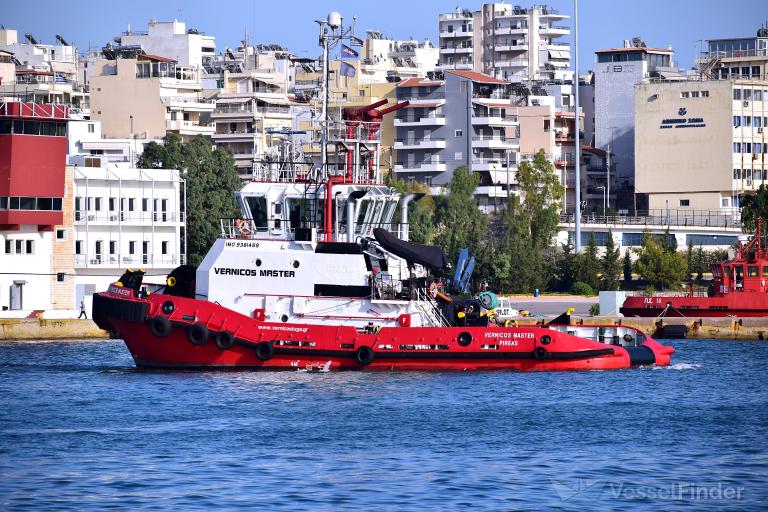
point(318, 275)
point(739, 288)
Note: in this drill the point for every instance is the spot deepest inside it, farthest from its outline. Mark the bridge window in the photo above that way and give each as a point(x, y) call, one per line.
point(752, 272)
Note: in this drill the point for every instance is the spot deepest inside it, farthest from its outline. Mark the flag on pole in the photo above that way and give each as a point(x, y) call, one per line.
point(348, 53)
point(347, 70)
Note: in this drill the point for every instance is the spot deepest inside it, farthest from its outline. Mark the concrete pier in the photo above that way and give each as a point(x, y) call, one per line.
point(13, 329)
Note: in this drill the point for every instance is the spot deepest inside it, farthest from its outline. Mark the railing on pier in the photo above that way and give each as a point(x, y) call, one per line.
point(661, 217)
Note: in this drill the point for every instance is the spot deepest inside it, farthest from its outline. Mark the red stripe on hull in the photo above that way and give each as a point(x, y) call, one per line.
point(297, 346)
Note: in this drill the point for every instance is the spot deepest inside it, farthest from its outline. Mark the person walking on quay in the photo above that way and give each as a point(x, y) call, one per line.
point(82, 309)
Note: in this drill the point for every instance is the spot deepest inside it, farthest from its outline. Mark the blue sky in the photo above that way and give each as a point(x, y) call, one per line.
point(603, 23)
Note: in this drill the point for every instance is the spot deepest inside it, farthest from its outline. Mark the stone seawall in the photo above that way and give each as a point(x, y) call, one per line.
point(12, 329)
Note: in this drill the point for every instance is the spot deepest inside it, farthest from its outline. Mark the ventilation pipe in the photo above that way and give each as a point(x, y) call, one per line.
point(405, 231)
point(351, 199)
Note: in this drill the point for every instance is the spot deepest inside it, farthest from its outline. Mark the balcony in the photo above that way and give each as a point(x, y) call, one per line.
point(432, 166)
point(232, 113)
point(82, 217)
point(511, 31)
point(424, 143)
point(494, 142)
point(185, 104)
point(188, 127)
point(486, 120)
point(454, 51)
point(466, 66)
point(237, 135)
point(445, 35)
point(428, 120)
point(115, 261)
point(554, 31)
point(512, 63)
point(511, 48)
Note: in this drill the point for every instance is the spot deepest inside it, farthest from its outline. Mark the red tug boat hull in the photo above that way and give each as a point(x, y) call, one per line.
point(199, 334)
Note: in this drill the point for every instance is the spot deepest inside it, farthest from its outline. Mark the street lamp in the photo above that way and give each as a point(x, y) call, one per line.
point(601, 187)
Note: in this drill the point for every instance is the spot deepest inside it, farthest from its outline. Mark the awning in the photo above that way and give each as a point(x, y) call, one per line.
point(271, 100)
point(559, 54)
point(427, 255)
point(492, 104)
point(426, 105)
point(233, 100)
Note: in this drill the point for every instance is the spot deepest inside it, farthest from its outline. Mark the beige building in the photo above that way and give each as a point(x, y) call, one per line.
point(700, 144)
point(147, 96)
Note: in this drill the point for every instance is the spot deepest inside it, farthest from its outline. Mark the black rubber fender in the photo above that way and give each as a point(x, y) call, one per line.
point(546, 339)
point(197, 334)
point(168, 307)
point(540, 353)
point(364, 355)
point(224, 340)
point(265, 350)
point(640, 356)
point(160, 326)
point(464, 339)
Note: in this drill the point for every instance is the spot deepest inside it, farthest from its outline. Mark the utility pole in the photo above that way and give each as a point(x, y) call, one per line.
point(577, 123)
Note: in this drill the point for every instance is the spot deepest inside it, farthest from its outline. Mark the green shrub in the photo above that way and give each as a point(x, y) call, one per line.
point(594, 309)
point(581, 288)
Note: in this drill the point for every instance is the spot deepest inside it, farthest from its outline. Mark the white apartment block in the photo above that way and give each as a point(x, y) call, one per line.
point(383, 59)
point(126, 218)
point(172, 39)
point(507, 42)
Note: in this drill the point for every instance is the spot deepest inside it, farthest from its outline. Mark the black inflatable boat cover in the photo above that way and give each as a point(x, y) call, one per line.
point(427, 255)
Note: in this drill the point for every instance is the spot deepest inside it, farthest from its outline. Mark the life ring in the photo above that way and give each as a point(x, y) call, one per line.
point(224, 340)
point(243, 227)
point(171, 281)
point(197, 334)
point(433, 289)
point(464, 339)
point(160, 326)
point(540, 353)
point(364, 355)
point(265, 350)
point(628, 338)
point(546, 339)
point(168, 307)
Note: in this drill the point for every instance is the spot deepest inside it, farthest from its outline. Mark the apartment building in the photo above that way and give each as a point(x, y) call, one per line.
point(251, 107)
point(125, 217)
point(463, 118)
point(700, 144)
point(172, 39)
point(508, 42)
point(33, 201)
point(42, 73)
point(741, 57)
point(386, 60)
point(157, 96)
point(616, 72)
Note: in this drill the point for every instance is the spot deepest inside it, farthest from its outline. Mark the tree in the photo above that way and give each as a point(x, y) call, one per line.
point(459, 221)
point(589, 265)
point(211, 181)
point(627, 269)
point(610, 265)
point(754, 206)
point(660, 268)
point(689, 260)
point(566, 266)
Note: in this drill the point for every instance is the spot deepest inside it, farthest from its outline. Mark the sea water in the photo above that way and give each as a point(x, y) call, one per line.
point(82, 429)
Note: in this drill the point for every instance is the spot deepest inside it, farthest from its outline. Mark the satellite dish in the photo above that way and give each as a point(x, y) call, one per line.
point(334, 19)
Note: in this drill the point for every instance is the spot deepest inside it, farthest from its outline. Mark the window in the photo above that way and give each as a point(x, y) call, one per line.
point(145, 204)
point(747, 94)
point(752, 271)
point(736, 121)
point(98, 204)
point(131, 204)
point(725, 202)
point(685, 94)
point(458, 133)
point(546, 125)
point(758, 94)
point(757, 122)
point(747, 147)
point(755, 71)
point(90, 128)
point(746, 121)
point(112, 203)
point(8, 247)
point(694, 94)
point(765, 271)
point(705, 94)
point(61, 234)
point(737, 92)
point(78, 247)
point(112, 247)
point(685, 202)
point(737, 174)
point(131, 247)
point(737, 147)
point(164, 247)
point(458, 156)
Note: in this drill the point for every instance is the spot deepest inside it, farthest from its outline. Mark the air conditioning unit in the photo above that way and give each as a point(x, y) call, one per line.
point(759, 130)
point(745, 103)
point(113, 217)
